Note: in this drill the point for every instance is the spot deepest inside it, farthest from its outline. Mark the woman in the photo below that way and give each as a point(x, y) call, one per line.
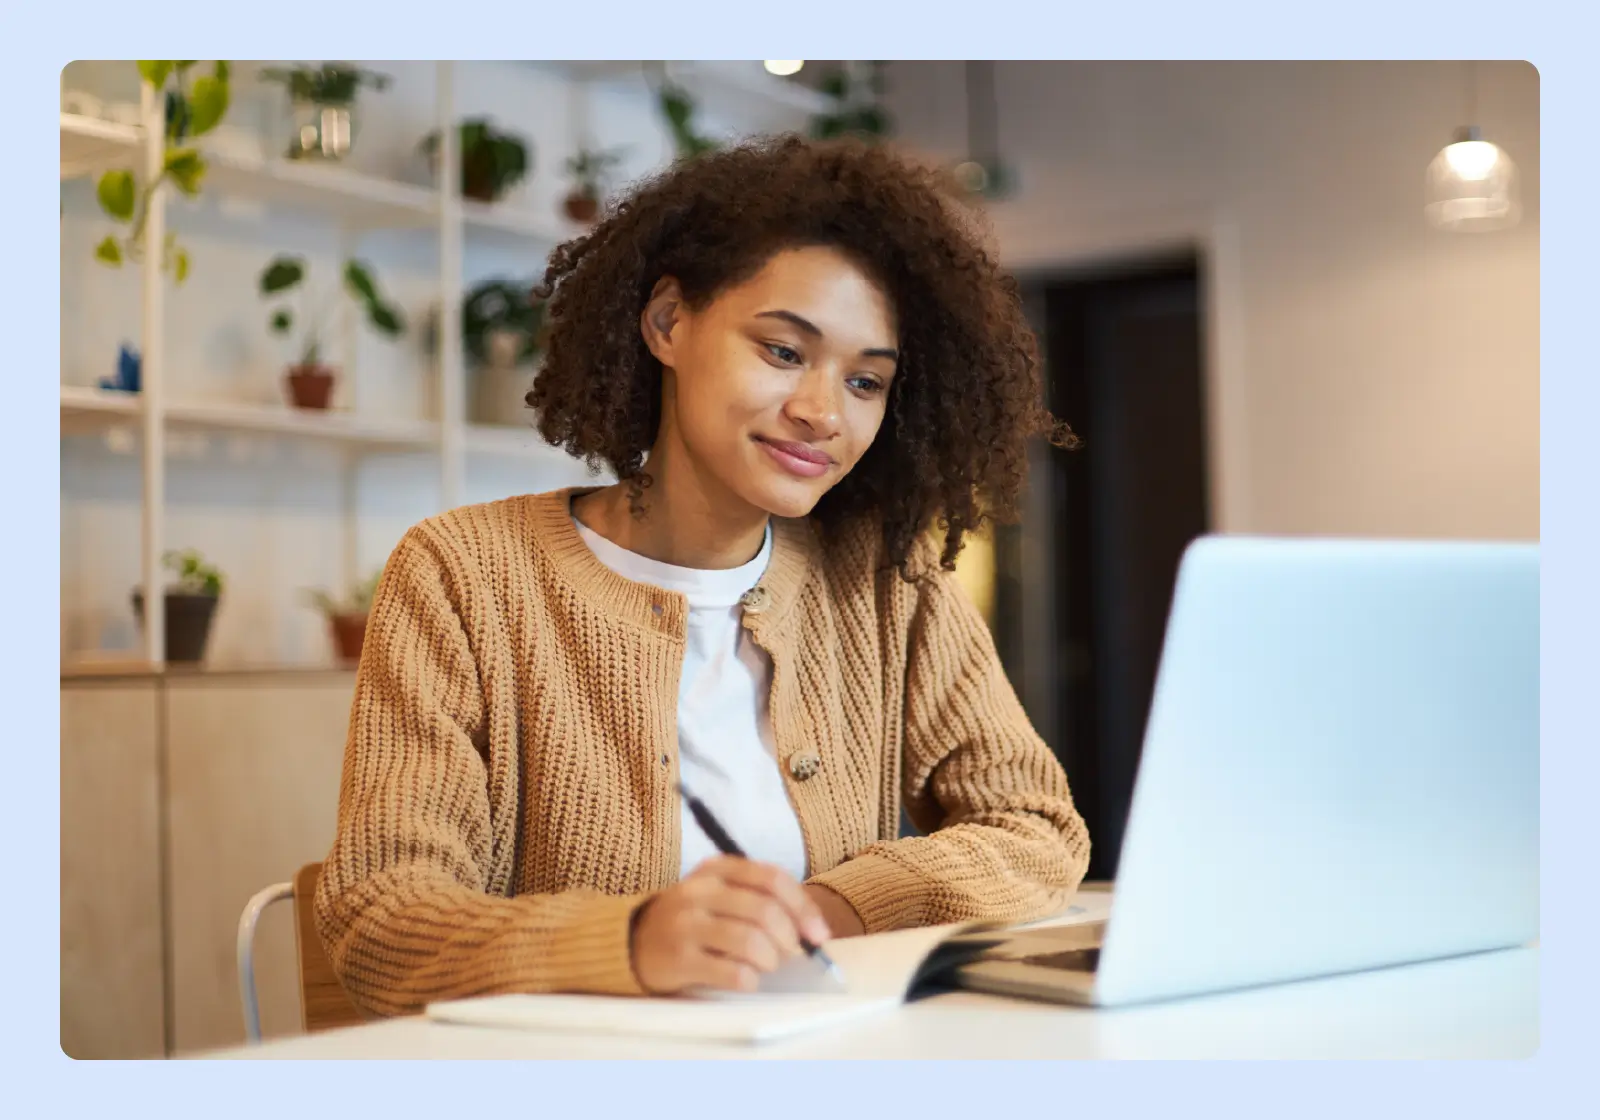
point(812, 381)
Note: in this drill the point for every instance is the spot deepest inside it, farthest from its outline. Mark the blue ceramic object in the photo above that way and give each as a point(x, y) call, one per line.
point(127, 379)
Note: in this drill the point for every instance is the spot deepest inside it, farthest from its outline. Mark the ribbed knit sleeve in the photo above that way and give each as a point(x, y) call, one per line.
point(406, 906)
point(1009, 844)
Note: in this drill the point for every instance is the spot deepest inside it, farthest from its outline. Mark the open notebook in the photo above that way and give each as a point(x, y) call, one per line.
point(880, 971)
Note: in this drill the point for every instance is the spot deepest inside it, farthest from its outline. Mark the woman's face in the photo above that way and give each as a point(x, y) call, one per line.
point(775, 389)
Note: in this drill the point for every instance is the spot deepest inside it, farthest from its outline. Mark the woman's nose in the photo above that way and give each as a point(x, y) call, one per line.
point(815, 403)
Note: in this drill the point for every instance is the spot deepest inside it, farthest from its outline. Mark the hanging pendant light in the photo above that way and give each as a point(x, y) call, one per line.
point(1472, 184)
point(982, 173)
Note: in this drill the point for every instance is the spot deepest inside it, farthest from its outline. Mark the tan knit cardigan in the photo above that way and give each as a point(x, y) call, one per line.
point(507, 801)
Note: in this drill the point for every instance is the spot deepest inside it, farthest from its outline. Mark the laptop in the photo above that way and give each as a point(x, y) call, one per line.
point(1340, 772)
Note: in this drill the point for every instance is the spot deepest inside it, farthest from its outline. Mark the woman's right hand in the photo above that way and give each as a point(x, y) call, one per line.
point(722, 927)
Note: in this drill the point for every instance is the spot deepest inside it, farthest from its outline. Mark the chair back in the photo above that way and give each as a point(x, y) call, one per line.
point(323, 1002)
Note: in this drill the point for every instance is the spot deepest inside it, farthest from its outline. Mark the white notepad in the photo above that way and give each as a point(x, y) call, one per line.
point(879, 972)
point(769, 1020)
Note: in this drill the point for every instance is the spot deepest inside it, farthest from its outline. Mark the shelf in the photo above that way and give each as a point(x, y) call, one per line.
point(91, 666)
point(343, 427)
point(355, 198)
point(92, 409)
point(551, 229)
point(89, 144)
point(77, 402)
point(85, 409)
point(510, 442)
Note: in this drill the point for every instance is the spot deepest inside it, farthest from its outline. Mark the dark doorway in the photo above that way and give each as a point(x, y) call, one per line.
point(1085, 584)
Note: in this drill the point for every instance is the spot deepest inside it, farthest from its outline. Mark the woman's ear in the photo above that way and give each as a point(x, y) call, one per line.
point(660, 315)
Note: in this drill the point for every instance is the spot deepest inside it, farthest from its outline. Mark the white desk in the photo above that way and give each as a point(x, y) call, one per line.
point(1483, 1006)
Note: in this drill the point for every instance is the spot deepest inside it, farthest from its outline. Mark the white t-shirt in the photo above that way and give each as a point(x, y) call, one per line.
point(726, 754)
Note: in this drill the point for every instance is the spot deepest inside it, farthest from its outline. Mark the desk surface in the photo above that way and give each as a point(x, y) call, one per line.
point(1482, 1006)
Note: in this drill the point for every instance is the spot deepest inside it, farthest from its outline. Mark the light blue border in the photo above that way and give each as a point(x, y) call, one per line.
point(93, 28)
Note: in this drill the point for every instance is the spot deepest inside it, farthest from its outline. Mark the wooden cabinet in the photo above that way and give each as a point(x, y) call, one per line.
point(253, 795)
point(181, 797)
point(112, 1001)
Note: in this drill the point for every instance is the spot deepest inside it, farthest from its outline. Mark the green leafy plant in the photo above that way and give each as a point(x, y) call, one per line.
point(678, 107)
point(358, 601)
point(502, 305)
point(332, 83)
point(591, 170)
point(856, 111)
point(492, 161)
point(193, 575)
point(285, 273)
point(192, 109)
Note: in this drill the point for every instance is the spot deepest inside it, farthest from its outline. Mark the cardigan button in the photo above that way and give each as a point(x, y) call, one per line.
point(804, 765)
point(755, 600)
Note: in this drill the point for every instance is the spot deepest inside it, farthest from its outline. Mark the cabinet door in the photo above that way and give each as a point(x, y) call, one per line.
point(254, 788)
point(111, 947)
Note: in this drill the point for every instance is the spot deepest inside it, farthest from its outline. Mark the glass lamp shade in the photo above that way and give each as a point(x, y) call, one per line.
point(1472, 186)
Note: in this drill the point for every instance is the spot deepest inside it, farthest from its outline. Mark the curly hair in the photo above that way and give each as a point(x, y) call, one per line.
point(967, 395)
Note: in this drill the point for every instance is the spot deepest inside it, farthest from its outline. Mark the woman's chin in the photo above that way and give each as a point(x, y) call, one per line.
point(787, 497)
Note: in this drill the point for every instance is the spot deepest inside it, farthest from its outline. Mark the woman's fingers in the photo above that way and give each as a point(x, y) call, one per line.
point(777, 884)
point(741, 941)
point(724, 974)
point(759, 912)
point(723, 926)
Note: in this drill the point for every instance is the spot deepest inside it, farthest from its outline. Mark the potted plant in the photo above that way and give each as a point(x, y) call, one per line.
point(856, 91)
point(492, 161)
point(502, 328)
point(347, 617)
point(321, 102)
point(590, 171)
point(193, 108)
point(191, 602)
point(678, 109)
point(310, 380)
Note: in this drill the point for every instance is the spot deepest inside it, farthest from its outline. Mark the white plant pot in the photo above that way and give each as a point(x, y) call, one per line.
point(503, 384)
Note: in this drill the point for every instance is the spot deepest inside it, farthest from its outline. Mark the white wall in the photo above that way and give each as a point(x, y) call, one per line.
point(267, 510)
point(1373, 376)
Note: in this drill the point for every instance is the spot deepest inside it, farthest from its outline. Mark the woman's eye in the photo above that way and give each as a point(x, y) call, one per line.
point(786, 354)
point(866, 384)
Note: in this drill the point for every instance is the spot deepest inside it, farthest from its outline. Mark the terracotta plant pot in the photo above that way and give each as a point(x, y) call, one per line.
point(582, 207)
point(477, 176)
point(188, 623)
point(349, 632)
point(310, 386)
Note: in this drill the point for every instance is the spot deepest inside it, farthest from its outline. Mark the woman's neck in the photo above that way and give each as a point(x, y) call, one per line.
point(676, 520)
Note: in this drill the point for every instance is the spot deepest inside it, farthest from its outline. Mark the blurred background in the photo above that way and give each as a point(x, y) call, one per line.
point(1286, 298)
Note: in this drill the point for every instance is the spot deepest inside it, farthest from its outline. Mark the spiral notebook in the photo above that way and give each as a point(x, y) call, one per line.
point(880, 971)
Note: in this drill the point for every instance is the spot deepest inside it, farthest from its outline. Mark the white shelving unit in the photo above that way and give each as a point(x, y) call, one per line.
point(358, 203)
point(86, 410)
point(88, 144)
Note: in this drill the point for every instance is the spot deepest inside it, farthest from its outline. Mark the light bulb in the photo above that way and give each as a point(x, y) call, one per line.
point(783, 69)
point(1472, 186)
point(972, 176)
point(1472, 160)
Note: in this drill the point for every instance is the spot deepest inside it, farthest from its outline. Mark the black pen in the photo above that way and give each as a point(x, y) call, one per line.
point(726, 845)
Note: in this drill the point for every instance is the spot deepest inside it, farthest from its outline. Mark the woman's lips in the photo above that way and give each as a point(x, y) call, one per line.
point(797, 458)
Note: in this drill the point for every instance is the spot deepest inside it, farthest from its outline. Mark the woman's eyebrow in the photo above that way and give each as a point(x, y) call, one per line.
point(815, 331)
